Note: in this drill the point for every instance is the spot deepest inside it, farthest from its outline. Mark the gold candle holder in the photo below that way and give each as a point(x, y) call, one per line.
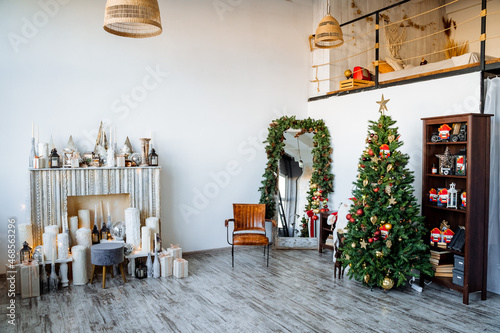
point(144, 151)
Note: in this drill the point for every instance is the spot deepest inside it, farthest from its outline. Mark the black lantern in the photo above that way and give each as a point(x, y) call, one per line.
point(25, 253)
point(54, 159)
point(158, 243)
point(153, 158)
point(141, 271)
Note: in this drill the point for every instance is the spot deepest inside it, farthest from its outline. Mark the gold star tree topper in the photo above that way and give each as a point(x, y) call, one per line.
point(383, 105)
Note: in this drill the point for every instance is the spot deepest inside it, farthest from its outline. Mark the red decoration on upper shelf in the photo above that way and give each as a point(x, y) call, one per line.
point(433, 196)
point(443, 197)
point(444, 132)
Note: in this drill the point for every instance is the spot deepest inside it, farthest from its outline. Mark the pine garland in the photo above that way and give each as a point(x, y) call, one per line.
point(321, 153)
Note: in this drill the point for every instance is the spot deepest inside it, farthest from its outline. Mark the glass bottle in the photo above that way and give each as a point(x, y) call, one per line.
point(104, 231)
point(149, 266)
point(95, 233)
point(156, 266)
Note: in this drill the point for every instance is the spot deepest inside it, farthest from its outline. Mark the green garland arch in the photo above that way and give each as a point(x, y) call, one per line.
point(321, 152)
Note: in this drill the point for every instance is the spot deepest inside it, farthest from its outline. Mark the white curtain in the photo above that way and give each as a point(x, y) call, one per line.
point(492, 106)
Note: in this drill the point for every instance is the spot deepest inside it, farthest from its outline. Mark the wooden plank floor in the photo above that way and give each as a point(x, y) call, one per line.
point(296, 293)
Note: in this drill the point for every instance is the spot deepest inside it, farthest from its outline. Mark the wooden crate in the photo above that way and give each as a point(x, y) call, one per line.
point(352, 83)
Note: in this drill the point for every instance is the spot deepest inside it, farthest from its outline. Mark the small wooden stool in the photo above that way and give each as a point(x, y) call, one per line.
point(106, 254)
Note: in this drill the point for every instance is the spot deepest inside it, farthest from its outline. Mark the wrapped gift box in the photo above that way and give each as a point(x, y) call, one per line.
point(166, 264)
point(180, 268)
point(30, 281)
point(175, 251)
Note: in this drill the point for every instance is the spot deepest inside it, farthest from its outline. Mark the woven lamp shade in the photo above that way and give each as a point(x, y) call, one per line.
point(329, 34)
point(133, 18)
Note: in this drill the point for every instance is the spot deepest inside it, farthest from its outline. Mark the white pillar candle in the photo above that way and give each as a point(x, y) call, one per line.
point(49, 241)
point(52, 229)
point(73, 227)
point(154, 224)
point(146, 239)
point(62, 246)
point(79, 265)
point(84, 218)
point(43, 149)
point(133, 227)
point(25, 233)
point(84, 237)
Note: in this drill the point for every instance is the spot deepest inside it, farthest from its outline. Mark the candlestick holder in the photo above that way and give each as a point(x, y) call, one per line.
point(144, 151)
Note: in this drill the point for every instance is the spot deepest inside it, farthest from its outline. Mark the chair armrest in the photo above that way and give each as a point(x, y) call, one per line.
point(272, 221)
point(227, 221)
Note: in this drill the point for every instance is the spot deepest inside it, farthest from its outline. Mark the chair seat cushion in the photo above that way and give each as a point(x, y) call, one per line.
point(250, 239)
point(106, 254)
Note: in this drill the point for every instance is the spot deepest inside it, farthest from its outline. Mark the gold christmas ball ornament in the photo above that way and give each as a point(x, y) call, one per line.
point(353, 245)
point(389, 167)
point(314, 186)
point(388, 226)
point(379, 254)
point(388, 283)
point(400, 239)
point(316, 211)
point(366, 278)
point(348, 74)
point(317, 193)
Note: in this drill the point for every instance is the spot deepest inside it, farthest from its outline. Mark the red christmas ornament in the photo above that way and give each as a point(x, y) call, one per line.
point(309, 213)
point(376, 233)
point(322, 210)
point(314, 217)
point(370, 240)
point(375, 189)
point(375, 239)
point(362, 166)
point(348, 216)
point(352, 220)
point(370, 152)
point(359, 212)
point(325, 199)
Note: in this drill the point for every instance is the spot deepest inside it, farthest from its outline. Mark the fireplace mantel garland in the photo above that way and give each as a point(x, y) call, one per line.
point(50, 188)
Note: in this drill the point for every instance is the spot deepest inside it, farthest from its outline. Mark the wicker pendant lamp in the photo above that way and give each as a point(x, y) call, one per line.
point(329, 34)
point(132, 18)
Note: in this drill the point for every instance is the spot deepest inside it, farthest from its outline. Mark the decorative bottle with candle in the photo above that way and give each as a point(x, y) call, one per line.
point(95, 231)
point(104, 231)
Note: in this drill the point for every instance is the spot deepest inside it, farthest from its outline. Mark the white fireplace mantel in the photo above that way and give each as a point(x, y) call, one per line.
point(50, 188)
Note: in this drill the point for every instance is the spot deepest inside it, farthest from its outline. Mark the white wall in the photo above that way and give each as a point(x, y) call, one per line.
point(225, 74)
point(347, 119)
point(462, 11)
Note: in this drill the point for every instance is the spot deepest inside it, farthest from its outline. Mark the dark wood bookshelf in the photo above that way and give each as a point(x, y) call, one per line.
point(324, 231)
point(475, 182)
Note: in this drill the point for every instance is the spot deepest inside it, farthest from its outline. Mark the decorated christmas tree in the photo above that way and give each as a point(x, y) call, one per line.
point(384, 241)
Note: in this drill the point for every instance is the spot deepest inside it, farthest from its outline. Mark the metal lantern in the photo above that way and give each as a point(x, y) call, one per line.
point(452, 197)
point(25, 253)
point(141, 271)
point(54, 159)
point(153, 158)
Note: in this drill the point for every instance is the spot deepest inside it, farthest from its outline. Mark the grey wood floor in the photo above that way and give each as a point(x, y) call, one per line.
point(296, 293)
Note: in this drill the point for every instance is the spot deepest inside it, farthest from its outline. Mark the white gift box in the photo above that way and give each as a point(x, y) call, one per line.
point(166, 264)
point(30, 280)
point(180, 268)
point(175, 251)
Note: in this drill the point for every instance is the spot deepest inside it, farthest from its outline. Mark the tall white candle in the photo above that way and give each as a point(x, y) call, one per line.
point(25, 233)
point(53, 254)
point(133, 227)
point(79, 265)
point(154, 224)
point(95, 216)
point(84, 237)
point(101, 213)
point(146, 239)
point(84, 218)
point(73, 227)
point(62, 246)
point(49, 240)
point(52, 229)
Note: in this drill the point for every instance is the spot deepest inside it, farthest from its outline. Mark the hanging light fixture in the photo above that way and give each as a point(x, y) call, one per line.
point(329, 34)
point(132, 18)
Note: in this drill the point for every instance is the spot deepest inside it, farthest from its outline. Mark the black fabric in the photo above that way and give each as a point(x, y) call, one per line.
point(458, 241)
